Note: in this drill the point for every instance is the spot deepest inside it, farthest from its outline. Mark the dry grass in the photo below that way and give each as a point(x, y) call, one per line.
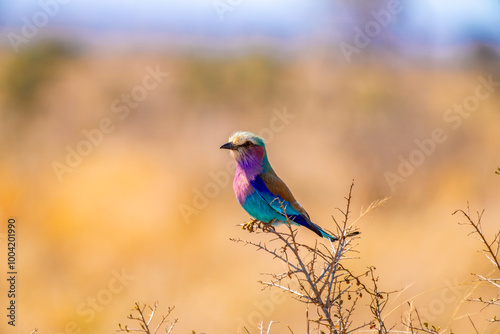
point(119, 207)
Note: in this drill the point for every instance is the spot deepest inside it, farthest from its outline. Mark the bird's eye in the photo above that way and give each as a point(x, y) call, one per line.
point(247, 143)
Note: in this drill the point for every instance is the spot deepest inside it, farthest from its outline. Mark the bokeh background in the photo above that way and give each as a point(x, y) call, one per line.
point(144, 212)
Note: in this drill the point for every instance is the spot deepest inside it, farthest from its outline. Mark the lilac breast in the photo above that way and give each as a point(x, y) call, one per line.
point(241, 185)
point(249, 166)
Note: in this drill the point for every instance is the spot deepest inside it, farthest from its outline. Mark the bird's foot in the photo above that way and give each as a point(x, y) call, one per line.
point(254, 224)
point(267, 227)
point(250, 226)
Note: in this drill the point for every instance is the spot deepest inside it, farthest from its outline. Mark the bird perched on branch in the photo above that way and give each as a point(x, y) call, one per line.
point(259, 190)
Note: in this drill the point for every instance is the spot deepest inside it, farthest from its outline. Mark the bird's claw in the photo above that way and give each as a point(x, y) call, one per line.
point(250, 226)
point(254, 224)
point(267, 227)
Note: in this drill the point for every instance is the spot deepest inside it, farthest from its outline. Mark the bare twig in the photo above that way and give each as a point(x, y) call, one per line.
point(261, 327)
point(415, 326)
point(492, 248)
point(145, 321)
point(491, 252)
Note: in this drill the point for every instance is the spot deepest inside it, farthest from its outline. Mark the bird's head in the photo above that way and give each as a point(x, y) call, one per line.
point(246, 146)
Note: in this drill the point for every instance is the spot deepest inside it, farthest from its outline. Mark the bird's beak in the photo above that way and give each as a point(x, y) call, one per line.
point(229, 146)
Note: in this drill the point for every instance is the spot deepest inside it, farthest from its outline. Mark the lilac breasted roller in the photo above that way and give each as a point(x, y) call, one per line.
point(259, 190)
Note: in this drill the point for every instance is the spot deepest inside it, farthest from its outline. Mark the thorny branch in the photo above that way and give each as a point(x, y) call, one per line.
point(317, 276)
point(491, 252)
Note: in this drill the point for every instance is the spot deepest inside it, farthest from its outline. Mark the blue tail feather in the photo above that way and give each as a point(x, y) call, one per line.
point(310, 225)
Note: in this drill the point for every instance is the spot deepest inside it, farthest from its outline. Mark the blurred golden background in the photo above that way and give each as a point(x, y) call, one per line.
point(112, 169)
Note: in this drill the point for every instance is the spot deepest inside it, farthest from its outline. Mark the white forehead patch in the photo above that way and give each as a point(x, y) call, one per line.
point(239, 138)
